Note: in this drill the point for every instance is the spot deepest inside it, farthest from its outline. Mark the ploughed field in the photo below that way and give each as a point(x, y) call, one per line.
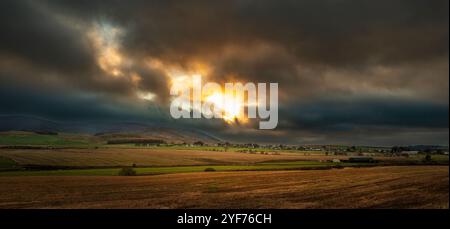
point(375, 187)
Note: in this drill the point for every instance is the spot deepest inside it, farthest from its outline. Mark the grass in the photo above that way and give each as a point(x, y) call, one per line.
point(7, 164)
point(113, 157)
point(181, 169)
point(214, 148)
point(29, 139)
point(107, 159)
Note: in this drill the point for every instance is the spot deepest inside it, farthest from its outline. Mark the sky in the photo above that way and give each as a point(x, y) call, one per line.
point(349, 72)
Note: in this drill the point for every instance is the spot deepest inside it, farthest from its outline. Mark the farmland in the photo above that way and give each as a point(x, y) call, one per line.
point(31, 139)
point(107, 162)
point(7, 163)
point(377, 187)
point(82, 171)
point(142, 157)
point(300, 165)
point(152, 161)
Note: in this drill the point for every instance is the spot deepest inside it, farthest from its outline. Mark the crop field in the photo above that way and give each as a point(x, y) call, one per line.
point(154, 161)
point(76, 171)
point(377, 187)
point(141, 157)
point(114, 157)
point(31, 139)
point(298, 165)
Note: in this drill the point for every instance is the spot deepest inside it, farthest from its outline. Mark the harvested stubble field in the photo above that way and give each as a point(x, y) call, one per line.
point(377, 187)
point(113, 157)
point(142, 157)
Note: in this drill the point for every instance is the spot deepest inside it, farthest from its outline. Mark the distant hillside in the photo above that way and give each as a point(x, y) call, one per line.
point(105, 130)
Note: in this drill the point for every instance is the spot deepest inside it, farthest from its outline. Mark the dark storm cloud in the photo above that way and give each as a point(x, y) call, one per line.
point(295, 43)
point(69, 106)
point(36, 37)
point(35, 46)
point(323, 32)
point(38, 44)
point(384, 63)
point(341, 115)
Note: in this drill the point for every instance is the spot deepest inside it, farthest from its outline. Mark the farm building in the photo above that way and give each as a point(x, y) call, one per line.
point(409, 153)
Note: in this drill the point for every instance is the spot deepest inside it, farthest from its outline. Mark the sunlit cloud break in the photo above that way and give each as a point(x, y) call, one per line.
point(347, 76)
point(211, 101)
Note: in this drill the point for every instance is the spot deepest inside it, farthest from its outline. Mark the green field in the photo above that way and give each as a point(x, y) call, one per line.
point(64, 140)
point(7, 164)
point(298, 165)
point(74, 155)
point(40, 140)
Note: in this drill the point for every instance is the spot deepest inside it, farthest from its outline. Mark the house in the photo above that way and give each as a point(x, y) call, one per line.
point(409, 153)
point(368, 154)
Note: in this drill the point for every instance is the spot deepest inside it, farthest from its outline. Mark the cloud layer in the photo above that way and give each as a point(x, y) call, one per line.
point(352, 72)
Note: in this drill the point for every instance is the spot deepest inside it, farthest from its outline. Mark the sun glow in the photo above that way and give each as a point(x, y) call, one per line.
point(230, 107)
point(222, 103)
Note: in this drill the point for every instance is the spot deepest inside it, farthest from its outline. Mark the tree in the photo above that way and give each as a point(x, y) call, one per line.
point(199, 143)
point(427, 158)
point(127, 172)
